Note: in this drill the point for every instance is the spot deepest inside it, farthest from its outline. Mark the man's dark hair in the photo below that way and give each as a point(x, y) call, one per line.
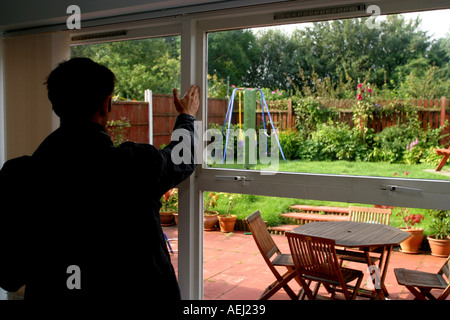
point(78, 87)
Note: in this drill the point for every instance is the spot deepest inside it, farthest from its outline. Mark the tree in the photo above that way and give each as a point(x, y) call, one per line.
point(233, 54)
point(138, 65)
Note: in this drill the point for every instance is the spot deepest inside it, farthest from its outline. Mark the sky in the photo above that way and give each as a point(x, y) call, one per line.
point(436, 22)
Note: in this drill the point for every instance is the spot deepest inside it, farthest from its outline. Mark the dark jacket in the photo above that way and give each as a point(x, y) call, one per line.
point(80, 201)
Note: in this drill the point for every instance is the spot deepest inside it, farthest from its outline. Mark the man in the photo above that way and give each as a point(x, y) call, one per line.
point(83, 216)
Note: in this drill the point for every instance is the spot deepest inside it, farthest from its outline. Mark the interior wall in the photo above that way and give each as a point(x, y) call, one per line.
point(27, 62)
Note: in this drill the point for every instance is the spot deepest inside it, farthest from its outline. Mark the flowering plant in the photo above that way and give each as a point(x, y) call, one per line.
point(412, 145)
point(410, 219)
point(170, 200)
point(212, 201)
point(363, 110)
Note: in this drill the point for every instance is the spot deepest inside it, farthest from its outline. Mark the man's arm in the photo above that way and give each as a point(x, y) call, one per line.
point(177, 171)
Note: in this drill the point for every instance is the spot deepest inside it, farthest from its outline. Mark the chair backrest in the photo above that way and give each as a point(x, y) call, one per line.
point(445, 270)
point(261, 235)
point(314, 256)
point(370, 215)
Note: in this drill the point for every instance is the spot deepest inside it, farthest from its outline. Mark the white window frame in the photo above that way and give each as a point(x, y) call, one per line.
point(433, 194)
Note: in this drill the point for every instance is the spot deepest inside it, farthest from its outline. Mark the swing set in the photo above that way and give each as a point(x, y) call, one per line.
point(249, 113)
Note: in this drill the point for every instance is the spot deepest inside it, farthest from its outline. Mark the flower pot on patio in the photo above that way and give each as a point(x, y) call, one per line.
point(166, 218)
point(210, 219)
point(175, 217)
point(227, 222)
point(412, 244)
point(439, 247)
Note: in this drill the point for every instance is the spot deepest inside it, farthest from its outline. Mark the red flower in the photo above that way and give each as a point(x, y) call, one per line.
point(359, 96)
point(359, 85)
point(369, 90)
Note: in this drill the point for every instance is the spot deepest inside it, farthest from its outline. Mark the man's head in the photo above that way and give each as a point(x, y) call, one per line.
point(79, 88)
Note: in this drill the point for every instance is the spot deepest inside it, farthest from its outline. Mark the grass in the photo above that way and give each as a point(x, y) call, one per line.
point(272, 207)
point(358, 168)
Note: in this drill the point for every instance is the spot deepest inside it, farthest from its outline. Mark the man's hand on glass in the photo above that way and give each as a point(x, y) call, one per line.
point(189, 103)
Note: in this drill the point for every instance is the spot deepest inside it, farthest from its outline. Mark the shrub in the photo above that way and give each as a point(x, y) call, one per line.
point(290, 143)
point(332, 141)
point(390, 144)
point(309, 114)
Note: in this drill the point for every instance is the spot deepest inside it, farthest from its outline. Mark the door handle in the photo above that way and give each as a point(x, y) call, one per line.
point(395, 188)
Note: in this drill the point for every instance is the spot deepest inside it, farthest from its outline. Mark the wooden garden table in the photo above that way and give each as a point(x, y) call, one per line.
point(361, 236)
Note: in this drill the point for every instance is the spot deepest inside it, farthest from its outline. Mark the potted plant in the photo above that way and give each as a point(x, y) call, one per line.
point(440, 240)
point(167, 209)
point(210, 217)
point(412, 244)
point(174, 199)
point(228, 220)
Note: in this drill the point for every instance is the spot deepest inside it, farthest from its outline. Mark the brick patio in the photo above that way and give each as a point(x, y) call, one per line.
point(235, 270)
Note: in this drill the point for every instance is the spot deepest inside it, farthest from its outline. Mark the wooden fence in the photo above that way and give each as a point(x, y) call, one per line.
point(431, 113)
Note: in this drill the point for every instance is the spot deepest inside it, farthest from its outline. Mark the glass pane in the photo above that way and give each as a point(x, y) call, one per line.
point(232, 259)
point(334, 97)
point(140, 65)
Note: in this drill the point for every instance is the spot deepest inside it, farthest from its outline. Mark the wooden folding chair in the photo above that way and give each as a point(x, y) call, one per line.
point(367, 215)
point(268, 249)
point(315, 259)
point(421, 283)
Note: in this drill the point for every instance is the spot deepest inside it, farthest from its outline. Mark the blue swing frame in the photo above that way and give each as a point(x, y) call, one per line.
point(229, 116)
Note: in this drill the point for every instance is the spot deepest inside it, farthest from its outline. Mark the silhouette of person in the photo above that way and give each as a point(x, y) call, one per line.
point(82, 215)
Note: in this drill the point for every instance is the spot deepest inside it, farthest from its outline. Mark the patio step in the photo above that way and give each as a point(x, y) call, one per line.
point(282, 229)
point(326, 209)
point(300, 218)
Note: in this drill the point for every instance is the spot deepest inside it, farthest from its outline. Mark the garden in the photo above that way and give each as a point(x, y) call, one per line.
point(377, 106)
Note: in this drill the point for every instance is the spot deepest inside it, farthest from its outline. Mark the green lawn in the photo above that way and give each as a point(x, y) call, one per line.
point(272, 207)
point(379, 169)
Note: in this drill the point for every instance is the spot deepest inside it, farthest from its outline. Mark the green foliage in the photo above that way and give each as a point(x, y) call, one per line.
point(138, 65)
point(440, 223)
point(308, 114)
point(118, 130)
point(333, 141)
point(391, 143)
point(423, 80)
point(217, 88)
point(233, 55)
point(331, 55)
point(290, 143)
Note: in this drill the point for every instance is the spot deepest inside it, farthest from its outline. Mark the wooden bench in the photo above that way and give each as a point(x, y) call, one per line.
point(316, 214)
point(445, 153)
point(325, 209)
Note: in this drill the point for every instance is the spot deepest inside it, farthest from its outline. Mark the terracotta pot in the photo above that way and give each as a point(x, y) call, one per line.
point(412, 244)
point(166, 218)
point(227, 223)
point(439, 247)
point(175, 217)
point(210, 219)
